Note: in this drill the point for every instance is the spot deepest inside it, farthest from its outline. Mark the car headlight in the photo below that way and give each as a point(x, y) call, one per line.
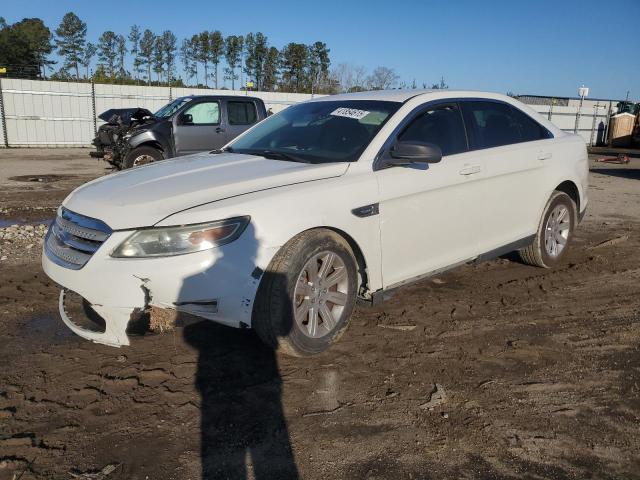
point(168, 241)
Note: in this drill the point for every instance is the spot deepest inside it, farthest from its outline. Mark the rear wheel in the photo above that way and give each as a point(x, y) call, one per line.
point(141, 156)
point(307, 294)
point(554, 232)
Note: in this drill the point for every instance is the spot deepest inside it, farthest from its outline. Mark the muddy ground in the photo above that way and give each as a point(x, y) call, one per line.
point(537, 372)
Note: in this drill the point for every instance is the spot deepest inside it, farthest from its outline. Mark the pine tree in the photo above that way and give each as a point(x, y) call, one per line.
point(233, 51)
point(158, 57)
point(188, 50)
point(168, 44)
point(295, 57)
point(257, 49)
point(271, 69)
point(121, 50)
point(318, 65)
point(108, 52)
point(88, 54)
point(134, 41)
point(147, 48)
point(202, 53)
point(216, 51)
point(70, 40)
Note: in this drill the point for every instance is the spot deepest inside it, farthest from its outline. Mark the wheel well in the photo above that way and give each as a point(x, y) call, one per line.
point(155, 145)
point(570, 189)
point(360, 260)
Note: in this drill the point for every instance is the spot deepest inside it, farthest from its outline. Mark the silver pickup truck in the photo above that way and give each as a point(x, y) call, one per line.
point(135, 136)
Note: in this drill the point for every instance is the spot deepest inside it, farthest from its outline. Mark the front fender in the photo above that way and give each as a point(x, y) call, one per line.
point(279, 214)
point(150, 137)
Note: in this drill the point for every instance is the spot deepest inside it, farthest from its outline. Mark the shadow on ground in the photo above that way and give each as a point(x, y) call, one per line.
point(630, 173)
point(243, 429)
point(244, 433)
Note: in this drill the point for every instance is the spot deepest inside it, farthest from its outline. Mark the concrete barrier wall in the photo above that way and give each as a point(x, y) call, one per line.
point(44, 113)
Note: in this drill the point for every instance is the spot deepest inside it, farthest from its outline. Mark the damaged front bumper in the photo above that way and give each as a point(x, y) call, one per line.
point(115, 330)
point(218, 284)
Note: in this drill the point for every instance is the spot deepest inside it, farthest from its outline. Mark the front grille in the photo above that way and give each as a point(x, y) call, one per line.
point(72, 239)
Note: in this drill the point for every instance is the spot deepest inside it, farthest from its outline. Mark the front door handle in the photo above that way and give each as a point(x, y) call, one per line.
point(219, 130)
point(544, 155)
point(470, 169)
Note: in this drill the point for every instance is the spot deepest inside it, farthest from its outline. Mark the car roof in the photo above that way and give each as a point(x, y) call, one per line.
point(233, 97)
point(404, 95)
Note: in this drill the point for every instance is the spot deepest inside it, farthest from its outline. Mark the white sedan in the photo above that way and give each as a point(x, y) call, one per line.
point(332, 200)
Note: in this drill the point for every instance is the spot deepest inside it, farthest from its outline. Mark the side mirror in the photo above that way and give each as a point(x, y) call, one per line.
point(406, 153)
point(186, 119)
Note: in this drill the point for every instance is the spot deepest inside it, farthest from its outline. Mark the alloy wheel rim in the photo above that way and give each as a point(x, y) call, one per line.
point(142, 160)
point(321, 294)
point(556, 232)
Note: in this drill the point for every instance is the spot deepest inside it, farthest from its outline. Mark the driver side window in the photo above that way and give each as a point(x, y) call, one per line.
point(205, 113)
point(442, 126)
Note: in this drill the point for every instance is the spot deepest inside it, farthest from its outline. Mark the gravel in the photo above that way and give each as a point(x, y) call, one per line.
point(21, 242)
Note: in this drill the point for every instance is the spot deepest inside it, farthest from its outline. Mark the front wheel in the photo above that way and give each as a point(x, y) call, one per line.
point(554, 232)
point(141, 156)
point(307, 294)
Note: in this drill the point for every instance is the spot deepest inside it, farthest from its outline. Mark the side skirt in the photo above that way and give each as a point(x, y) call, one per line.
point(381, 295)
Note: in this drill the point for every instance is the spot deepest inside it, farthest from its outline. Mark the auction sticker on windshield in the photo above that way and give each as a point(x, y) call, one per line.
point(350, 113)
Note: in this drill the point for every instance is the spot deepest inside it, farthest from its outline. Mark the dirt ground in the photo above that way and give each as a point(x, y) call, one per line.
point(494, 370)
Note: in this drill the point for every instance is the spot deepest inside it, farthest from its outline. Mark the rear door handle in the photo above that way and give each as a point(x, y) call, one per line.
point(470, 169)
point(544, 155)
point(219, 130)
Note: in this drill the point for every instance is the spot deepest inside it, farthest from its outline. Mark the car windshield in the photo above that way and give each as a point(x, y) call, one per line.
point(317, 132)
point(172, 107)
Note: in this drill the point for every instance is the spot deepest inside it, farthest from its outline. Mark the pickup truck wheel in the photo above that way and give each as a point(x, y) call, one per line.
point(307, 294)
point(554, 232)
point(141, 156)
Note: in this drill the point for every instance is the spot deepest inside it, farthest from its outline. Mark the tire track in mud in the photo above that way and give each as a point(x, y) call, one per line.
point(544, 311)
point(540, 370)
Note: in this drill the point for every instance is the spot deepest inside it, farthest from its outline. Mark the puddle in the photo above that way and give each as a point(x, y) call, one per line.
point(41, 178)
point(7, 222)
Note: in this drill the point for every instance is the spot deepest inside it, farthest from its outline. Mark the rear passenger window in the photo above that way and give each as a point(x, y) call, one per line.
point(441, 126)
point(492, 124)
point(241, 113)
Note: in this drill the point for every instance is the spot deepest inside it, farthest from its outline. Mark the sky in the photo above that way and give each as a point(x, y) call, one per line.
point(537, 47)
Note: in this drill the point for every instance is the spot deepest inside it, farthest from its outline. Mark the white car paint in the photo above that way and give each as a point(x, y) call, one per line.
point(430, 219)
point(143, 197)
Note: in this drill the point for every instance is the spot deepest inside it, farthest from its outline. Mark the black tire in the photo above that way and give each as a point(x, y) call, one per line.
point(140, 151)
point(273, 317)
point(536, 253)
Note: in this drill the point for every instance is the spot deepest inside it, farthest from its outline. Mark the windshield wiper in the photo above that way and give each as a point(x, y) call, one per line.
point(222, 150)
point(273, 155)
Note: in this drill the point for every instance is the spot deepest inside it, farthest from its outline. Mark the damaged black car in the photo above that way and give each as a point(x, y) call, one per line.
point(136, 136)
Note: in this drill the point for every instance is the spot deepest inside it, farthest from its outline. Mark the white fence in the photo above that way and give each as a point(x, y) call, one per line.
point(45, 113)
point(591, 123)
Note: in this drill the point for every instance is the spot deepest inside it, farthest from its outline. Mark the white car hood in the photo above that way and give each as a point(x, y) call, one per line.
point(143, 196)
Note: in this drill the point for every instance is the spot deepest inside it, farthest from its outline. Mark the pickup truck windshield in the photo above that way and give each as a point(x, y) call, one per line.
point(317, 132)
point(171, 107)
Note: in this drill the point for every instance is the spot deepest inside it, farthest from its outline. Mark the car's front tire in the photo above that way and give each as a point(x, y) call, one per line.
point(141, 156)
point(307, 294)
point(554, 233)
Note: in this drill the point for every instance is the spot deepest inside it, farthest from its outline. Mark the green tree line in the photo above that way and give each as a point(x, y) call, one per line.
point(208, 58)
